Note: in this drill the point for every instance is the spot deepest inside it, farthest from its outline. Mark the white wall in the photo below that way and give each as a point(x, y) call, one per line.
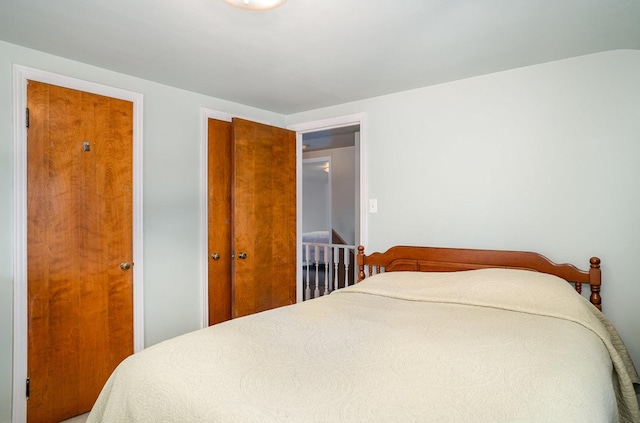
point(316, 196)
point(344, 193)
point(172, 285)
point(343, 176)
point(543, 158)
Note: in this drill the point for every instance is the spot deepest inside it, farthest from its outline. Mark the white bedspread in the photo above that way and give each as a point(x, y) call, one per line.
point(477, 346)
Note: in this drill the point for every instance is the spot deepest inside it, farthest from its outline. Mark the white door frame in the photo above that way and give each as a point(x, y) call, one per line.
point(21, 75)
point(319, 125)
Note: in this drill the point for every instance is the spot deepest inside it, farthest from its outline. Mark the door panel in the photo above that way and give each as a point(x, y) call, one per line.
point(219, 220)
point(264, 216)
point(79, 230)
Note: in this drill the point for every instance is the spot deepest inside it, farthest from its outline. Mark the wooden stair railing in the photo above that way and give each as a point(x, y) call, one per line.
point(342, 276)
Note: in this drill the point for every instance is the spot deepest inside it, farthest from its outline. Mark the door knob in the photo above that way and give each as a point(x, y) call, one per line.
point(125, 265)
point(215, 256)
point(242, 255)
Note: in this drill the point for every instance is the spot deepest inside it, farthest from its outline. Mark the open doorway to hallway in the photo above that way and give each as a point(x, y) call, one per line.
point(330, 208)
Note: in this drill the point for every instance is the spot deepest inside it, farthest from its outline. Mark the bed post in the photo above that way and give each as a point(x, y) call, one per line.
point(360, 261)
point(595, 279)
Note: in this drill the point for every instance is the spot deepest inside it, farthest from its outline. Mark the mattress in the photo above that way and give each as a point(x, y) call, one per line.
point(475, 346)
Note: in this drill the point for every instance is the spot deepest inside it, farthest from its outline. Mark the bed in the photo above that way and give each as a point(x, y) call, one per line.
point(428, 335)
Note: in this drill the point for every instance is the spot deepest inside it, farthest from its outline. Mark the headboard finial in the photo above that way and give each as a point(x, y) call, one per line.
point(595, 279)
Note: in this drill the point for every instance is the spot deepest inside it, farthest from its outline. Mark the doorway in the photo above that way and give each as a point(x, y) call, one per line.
point(342, 139)
point(20, 345)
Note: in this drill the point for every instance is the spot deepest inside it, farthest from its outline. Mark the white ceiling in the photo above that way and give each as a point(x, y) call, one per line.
point(309, 54)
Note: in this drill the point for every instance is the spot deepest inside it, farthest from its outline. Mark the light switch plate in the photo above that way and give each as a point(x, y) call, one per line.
point(373, 205)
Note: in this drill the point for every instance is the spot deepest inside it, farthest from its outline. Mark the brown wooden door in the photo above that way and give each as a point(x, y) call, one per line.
point(264, 216)
point(258, 175)
point(79, 231)
point(219, 219)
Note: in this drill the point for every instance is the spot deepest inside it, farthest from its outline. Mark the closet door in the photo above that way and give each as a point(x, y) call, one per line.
point(219, 220)
point(252, 218)
point(264, 217)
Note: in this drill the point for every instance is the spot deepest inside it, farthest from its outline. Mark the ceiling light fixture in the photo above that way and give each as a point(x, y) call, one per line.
point(256, 4)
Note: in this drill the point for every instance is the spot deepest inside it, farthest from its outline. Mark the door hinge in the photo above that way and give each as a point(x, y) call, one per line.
point(28, 387)
point(27, 116)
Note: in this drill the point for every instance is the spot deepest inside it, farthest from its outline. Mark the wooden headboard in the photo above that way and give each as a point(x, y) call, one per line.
point(432, 259)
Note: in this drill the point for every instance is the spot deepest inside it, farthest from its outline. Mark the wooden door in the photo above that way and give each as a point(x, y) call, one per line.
point(219, 220)
point(79, 231)
point(264, 217)
point(252, 211)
